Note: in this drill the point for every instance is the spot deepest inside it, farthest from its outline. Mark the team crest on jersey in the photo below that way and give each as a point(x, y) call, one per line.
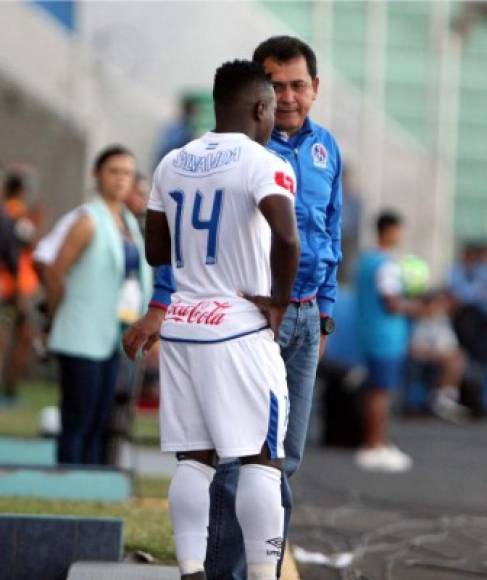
point(320, 155)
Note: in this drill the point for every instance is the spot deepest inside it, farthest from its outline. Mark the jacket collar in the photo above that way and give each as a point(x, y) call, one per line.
point(296, 138)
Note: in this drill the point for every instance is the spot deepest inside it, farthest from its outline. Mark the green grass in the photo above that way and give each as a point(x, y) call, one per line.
point(145, 517)
point(146, 428)
point(22, 420)
point(151, 486)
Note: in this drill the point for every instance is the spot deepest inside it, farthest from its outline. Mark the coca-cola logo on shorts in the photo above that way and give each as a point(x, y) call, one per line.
point(211, 313)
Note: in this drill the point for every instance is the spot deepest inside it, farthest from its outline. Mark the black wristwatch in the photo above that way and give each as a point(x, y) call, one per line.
point(327, 325)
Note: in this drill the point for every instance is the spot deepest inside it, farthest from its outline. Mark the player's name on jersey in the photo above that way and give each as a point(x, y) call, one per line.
point(210, 312)
point(206, 163)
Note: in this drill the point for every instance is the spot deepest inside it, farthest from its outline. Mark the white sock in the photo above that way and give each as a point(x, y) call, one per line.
point(189, 506)
point(261, 517)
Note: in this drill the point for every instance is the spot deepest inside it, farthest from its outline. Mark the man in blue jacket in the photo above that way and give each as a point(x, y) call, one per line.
point(314, 155)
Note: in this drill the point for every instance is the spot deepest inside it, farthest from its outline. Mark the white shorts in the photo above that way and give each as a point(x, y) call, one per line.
point(229, 396)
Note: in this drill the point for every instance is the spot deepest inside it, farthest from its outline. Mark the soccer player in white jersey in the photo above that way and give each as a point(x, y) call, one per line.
point(221, 210)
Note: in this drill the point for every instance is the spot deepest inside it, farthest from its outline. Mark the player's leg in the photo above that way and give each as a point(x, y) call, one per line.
point(260, 513)
point(183, 431)
point(189, 507)
point(244, 399)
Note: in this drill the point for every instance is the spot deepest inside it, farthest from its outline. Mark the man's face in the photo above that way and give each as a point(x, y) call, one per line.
point(295, 92)
point(393, 236)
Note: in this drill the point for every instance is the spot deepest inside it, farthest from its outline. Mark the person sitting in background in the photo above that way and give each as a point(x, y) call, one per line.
point(434, 348)
point(467, 285)
point(384, 337)
point(467, 279)
point(99, 273)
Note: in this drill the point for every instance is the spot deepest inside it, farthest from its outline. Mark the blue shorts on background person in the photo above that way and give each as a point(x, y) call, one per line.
point(385, 374)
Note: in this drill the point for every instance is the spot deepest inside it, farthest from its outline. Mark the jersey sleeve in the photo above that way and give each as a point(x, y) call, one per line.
point(388, 279)
point(271, 175)
point(156, 200)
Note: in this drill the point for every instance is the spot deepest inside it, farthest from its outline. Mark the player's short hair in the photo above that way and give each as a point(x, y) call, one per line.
point(285, 48)
point(386, 220)
point(232, 78)
point(107, 153)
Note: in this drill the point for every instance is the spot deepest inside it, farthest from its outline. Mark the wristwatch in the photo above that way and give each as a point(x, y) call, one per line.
point(327, 325)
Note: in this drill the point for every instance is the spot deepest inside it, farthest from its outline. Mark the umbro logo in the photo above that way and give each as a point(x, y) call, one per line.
point(276, 542)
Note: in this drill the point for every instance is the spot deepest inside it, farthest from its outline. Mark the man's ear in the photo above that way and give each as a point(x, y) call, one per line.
point(315, 83)
point(259, 110)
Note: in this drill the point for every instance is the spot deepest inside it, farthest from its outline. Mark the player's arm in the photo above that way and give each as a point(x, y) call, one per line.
point(271, 183)
point(75, 243)
point(157, 238)
point(278, 210)
point(144, 333)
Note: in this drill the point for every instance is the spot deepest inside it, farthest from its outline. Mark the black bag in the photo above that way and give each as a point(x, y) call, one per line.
point(343, 398)
point(470, 324)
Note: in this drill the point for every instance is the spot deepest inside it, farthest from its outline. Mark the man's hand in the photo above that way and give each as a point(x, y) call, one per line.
point(273, 311)
point(323, 341)
point(143, 333)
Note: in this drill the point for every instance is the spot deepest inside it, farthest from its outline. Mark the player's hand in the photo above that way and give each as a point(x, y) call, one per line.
point(143, 333)
point(273, 311)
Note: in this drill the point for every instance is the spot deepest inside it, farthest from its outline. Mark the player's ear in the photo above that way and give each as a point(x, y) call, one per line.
point(259, 110)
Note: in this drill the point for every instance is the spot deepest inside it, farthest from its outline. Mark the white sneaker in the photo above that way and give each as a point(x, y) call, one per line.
point(386, 459)
point(448, 409)
point(403, 459)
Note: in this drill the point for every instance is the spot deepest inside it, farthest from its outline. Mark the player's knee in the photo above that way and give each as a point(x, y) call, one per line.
point(263, 458)
point(207, 457)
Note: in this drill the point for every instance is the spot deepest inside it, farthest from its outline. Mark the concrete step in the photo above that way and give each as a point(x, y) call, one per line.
point(19, 451)
point(44, 547)
point(72, 483)
point(109, 571)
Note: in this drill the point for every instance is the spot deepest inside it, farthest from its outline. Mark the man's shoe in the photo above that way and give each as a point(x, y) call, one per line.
point(194, 576)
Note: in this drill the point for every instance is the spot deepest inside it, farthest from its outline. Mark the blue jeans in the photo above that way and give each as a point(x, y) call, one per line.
point(87, 391)
point(299, 339)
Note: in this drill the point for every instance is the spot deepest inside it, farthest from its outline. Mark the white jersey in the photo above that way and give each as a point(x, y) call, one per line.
point(210, 191)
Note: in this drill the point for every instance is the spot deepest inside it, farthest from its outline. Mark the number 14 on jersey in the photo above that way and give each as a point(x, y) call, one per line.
point(197, 223)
